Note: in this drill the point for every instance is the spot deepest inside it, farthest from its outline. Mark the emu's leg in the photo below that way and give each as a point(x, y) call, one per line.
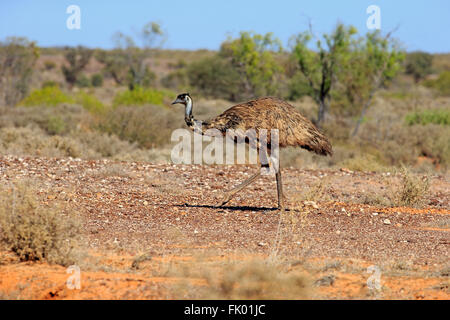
point(280, 190)
point(265, 164)
point(229, 194)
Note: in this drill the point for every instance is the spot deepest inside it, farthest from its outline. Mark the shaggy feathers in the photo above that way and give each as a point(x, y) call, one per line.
point(271, 113)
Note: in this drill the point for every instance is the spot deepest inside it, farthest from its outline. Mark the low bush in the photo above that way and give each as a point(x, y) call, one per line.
point(215, 77)
point(47, 96)
point(149, 126)
point(27, 141)
point(141, 96)
point(90, 102)
point(36, 232)
point(428, 116)
point(83, 81)
point(412, 190)
point(441, 84)
point(49, 65)
point(60, 120)
point(97, 80)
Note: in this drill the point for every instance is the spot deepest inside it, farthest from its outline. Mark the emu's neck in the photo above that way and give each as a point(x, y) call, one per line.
point(188, 117)
point(195, 125)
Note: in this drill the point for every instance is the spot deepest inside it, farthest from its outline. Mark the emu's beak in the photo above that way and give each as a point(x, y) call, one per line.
point(176, 101)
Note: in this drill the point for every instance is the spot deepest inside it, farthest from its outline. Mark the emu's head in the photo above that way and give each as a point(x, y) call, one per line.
point(183, 98)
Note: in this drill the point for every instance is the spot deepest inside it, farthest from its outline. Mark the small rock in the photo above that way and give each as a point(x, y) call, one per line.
point(312, 204)
point(262, 244)
point(387, 221)
point(195, 231)
point(325, 281)
point(145, 202)
point(374, 213)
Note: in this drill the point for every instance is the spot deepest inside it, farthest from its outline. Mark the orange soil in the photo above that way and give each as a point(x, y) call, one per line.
point(27, 280)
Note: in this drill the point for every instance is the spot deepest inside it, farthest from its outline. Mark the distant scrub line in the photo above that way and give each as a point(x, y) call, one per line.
point(52, 96)
point(429, 116)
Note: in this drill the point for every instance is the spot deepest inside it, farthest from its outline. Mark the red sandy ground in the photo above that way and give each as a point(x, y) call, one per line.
point(168, 210)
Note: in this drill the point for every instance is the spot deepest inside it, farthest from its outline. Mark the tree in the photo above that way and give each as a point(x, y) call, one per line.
point(115, 64)
point(215, 77)
point(374, 62)
point(252, 56)
point(17, 58)
point(418, 64)
point(77, 59)
point(127, 63)
point(321, 66)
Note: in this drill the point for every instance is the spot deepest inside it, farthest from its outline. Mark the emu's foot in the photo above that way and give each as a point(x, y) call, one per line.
point(226, 198)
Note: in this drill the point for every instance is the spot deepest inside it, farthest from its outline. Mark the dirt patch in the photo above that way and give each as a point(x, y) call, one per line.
point(166, 215)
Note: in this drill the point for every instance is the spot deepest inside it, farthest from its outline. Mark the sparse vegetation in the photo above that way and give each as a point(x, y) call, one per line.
point(47, 96)
point(441, 84)
point(36, 232)
point(412, 190)
point(243, 280)
point(152, 226)
point(149, 125)
point(419, 65)
point(17, 59)
point(139, 96)
point(77, 59)
point(428, 116)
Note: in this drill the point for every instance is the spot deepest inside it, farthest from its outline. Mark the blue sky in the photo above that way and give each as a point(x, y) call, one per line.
point(195, 24)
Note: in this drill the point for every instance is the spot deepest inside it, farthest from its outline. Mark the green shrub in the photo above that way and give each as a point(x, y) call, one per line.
point(215, 77)
point(55, 125)
point(89, 102)
point(298, 87)
point(83, 81)
point(429, 116)
point(140, 96)
point(418, 64)
point(47, 96)
point(97, 80)
point(176, 80)
point(49, 65)
point(36, 232)
point(50, 83)
point(441, 84)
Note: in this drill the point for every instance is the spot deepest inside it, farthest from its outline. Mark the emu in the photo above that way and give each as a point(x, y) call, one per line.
point(263, 113)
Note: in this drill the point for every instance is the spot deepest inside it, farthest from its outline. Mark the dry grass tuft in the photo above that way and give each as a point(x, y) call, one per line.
point(36, 232)
point(412, 191)
point(258, 280)
point(244, 280)
point(319, 191)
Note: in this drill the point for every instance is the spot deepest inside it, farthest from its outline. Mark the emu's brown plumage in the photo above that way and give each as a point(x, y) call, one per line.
point(265, 113)
point(273, 113)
